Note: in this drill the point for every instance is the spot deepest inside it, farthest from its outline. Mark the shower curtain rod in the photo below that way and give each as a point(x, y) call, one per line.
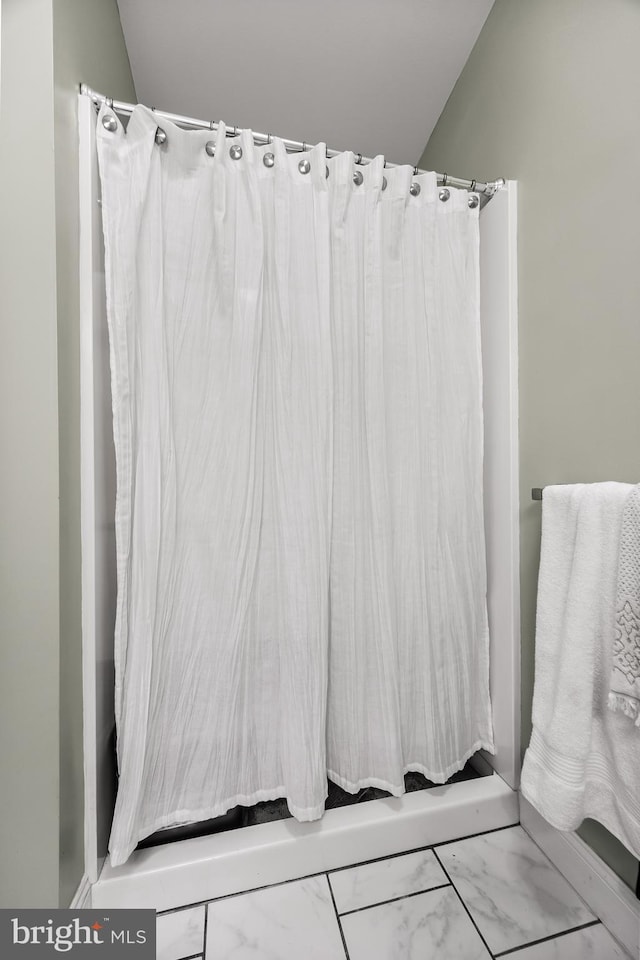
point(125, 109)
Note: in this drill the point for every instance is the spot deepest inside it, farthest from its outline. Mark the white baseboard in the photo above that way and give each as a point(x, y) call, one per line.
point(82, 897)
point(601, 889)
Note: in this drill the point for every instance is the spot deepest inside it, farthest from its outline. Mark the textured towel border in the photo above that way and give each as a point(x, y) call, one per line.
point(624, 695)
point(627, 705)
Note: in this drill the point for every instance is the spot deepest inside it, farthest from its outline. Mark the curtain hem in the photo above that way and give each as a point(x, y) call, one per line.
point(397, 790)
point(179, 818)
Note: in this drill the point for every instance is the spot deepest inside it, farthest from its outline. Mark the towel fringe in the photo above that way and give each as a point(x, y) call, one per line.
point(627, 705)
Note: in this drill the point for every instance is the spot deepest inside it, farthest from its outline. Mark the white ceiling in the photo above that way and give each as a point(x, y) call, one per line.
point(370, 76)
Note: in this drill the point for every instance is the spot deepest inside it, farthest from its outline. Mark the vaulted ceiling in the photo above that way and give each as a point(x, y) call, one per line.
point(366, 75)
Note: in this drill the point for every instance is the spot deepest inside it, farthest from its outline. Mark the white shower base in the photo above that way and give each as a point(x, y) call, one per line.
point(191, 871)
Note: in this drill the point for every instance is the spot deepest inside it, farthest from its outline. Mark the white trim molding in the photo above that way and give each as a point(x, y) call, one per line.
point(82, 896)
point(499, 322)
point(601, 889)
point(97, 499)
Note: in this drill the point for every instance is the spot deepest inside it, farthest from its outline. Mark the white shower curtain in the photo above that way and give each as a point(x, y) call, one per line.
point(296, 385)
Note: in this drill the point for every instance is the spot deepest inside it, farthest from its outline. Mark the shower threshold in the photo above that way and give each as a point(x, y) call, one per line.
point(232, 861)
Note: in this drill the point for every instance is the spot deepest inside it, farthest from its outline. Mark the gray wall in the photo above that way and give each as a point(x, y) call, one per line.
point(48, 47)
point(551, 97)
point(29, 605)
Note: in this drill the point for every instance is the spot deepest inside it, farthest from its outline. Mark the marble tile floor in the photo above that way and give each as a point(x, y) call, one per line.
point(489, 895)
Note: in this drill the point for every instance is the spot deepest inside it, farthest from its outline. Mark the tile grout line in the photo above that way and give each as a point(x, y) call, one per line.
point(187, 906)
point(349, 866)
point(427, 846)
point(204, 932)
point(469, 836)
point(333, 900)
point(553, 936)
point(464, 906)
point(403, 896)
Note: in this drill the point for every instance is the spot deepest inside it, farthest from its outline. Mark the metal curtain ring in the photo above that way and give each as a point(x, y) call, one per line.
point(444, 179)
point(415, 171)
point(359, 160)
point(268, 139)
point(473, 186)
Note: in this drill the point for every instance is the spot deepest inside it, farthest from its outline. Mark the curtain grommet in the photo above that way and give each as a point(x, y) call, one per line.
point(110, 123)
point(160, 136)
point(384, 183)
point(235, 152)
point(304, 166)
point(210, 147)
point(474, 200)
point(357, 178)
point(414, 189)
point(444, 194)
point(269, 159)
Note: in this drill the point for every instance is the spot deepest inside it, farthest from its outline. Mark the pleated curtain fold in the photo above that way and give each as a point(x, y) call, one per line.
point(297, 403)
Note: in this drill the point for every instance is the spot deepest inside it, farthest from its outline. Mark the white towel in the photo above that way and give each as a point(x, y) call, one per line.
point(624, 693)
point(583, 760)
